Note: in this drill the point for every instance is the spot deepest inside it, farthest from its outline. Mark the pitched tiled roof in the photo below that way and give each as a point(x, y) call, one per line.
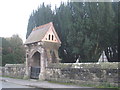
point(38, 33)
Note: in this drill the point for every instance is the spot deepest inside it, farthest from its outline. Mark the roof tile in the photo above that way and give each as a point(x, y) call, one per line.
point(38, 33)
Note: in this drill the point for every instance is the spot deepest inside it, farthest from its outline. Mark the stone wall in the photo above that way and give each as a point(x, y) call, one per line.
point(89, 73)
point(13, 70)
point(78, 73)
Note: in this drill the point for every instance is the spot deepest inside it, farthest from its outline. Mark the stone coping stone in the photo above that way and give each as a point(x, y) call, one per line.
point(102, 65)
point(15, 65)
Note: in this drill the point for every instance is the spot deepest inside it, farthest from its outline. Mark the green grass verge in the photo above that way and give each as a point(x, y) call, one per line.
point(104, 85)
point(12, 77)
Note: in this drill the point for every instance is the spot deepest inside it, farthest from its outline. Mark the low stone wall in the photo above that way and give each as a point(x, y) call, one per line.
point(81, 73)
point(13, 70)
point(89, 73)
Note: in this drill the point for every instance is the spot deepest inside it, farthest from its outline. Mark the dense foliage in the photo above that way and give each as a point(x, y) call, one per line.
point(12, 50)
point(85, 29)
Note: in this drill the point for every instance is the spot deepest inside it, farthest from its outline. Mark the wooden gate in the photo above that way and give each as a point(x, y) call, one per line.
point(35, 71)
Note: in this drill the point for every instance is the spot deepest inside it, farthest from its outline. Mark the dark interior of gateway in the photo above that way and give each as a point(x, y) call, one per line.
point(35, 68)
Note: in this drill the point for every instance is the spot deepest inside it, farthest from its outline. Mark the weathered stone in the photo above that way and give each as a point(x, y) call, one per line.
point(14, 70)
point(45, 41)
point(88, 75)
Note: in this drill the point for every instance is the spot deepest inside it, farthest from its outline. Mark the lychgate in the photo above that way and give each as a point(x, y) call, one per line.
point(41, 49)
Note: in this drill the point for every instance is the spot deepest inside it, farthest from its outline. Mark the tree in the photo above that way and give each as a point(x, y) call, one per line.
point(112, 50)
point(86, 29)
point(45, 15)
point(63, 22)
point(12, 50)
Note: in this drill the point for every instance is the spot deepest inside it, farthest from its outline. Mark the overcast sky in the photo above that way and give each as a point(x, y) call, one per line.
point(14, 15)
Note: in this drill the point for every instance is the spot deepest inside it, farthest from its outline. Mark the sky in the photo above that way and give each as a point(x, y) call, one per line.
point(14, 15)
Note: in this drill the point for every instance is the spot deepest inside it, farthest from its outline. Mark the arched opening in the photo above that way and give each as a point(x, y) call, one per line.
point(49, 36)
point(35, 66)
point(52, 37)
point(36, 59)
